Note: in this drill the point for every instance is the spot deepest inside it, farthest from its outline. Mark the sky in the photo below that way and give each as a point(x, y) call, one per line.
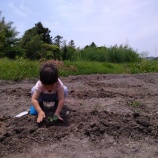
point(104, 22)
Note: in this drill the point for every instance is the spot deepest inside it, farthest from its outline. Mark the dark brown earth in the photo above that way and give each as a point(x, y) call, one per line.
point(109, 116)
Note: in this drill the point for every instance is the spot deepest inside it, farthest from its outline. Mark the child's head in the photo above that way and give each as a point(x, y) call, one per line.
point(48, 74)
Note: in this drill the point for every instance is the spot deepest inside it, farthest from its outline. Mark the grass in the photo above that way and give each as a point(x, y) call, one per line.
point(18, 69)
point(88, 67)
point(22, 68)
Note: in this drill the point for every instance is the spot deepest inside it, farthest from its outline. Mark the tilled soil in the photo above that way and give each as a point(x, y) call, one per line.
point(105, 116)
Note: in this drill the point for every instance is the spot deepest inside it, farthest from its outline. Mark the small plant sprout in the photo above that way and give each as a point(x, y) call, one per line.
point(135, 104)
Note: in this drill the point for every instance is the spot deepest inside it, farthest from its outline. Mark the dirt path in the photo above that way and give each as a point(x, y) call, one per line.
point(109, 116)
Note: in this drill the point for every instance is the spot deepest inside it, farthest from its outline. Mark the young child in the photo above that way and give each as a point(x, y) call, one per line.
point(48, 92)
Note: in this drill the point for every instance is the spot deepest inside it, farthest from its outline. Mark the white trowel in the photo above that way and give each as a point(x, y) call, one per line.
point(22, 113)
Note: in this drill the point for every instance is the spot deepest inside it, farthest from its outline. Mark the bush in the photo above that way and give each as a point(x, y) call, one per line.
point(115, 54)
point(14, 52)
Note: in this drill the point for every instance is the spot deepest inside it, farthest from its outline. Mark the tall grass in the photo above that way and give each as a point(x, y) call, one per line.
point(18, 69)
point(144, 66)
point(88, 67)
point(22, 68)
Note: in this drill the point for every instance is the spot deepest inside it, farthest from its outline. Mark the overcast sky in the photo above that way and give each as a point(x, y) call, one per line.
point(105, 22)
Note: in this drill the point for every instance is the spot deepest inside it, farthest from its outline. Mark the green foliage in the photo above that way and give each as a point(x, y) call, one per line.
point(33, 40)
point(45, 32)
point(71, 43)
point(8, 40)
point(93, 45)
point(70, 52)
point(50, 51)
point(113, 54)
point(94, 54)
point(58, 40)
point(33, 47)
point(14, 52)
point(67, 53)
point(64, 52)
point(122, 54)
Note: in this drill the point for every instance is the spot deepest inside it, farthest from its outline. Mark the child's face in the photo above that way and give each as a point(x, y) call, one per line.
point(49, 87)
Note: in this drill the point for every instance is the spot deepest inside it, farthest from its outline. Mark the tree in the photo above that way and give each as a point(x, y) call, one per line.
point(33, 40)
point(67, 51)
point(50, 51)
point(8, 40)
point(71, 43)
point(45, 32)
point(58, 40)
point(32, 43)
point(93, 45)
point(70, 52)
point(64, 50)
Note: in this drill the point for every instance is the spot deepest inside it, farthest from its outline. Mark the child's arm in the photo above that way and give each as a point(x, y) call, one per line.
point(35, 103)
point(60, 102)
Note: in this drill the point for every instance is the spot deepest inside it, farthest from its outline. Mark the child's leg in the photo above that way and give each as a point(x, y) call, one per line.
point(65, 95)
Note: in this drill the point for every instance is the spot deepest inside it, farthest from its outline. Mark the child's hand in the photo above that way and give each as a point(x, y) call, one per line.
point(41, 115)
point(59, 117)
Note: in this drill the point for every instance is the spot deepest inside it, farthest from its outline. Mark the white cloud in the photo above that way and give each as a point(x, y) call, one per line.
point(20, 9)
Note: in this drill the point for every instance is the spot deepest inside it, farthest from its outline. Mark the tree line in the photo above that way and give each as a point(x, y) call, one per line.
point(37, 43)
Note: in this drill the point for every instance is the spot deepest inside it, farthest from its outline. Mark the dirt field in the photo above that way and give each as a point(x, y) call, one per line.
point(109, 116)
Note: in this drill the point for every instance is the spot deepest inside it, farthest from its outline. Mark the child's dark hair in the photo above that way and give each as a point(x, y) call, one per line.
point(48, 74)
